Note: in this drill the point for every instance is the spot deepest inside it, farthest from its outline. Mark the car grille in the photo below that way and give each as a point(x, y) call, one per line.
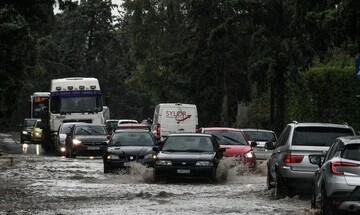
point(92, 143)
point(183, 163)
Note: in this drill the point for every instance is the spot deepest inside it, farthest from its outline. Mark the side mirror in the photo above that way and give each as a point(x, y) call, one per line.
point(222, 150)
point(155, 149)
point(315, 159)
point(253, 144)
point(160, 144)
point(269, 145)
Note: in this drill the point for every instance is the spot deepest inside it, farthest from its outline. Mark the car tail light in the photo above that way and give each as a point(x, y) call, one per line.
point(158, 129)
point(197, 129)
point(293, 158)
point(338, 163)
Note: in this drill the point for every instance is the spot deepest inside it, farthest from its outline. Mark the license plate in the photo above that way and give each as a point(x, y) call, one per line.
point(93, 148)
point(127, 164)
point(183, 171)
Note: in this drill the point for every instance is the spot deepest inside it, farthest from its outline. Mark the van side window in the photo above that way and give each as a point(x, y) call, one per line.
point(284, 136)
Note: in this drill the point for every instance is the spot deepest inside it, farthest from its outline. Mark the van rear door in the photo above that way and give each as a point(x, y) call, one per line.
point(178, 119)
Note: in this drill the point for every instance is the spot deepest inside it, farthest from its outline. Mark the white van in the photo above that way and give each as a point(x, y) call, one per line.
point(172, 118)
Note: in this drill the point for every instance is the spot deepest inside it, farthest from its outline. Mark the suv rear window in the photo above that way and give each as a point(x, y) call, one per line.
point(318, 136)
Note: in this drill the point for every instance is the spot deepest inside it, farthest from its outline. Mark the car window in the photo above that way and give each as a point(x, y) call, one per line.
point(90, 130)
point(65, 129)
point(318, 136)
point(28, 123)
point(132, 139)
point(191, 144)
point(332, 150)
point(260, 136)
point(284, 136)
point(352, 152)
point(38, 124)
point(229, 137)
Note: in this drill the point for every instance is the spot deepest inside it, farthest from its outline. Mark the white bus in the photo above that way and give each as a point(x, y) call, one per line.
point(38, 101)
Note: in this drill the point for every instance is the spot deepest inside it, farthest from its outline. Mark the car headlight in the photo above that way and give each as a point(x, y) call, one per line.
point(24, 132)
point(249, 154)
point(148, 156)
point(163, 163)
point(37, 133)
point(76, 142)
point(113, 157)
point(204, 163)
point(62, 149)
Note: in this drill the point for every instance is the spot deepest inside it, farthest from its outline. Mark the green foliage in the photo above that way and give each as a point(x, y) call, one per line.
point(327, 93)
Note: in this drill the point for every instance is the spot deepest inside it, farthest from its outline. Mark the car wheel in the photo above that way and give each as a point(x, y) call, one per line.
point(280, 187)
point(106, 168)
point(313, 197)
point(326, 208)
point(269, 180)
point(156, 177)
point(72, 154)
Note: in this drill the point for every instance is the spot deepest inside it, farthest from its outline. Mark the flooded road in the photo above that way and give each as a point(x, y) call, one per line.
point(34, 183)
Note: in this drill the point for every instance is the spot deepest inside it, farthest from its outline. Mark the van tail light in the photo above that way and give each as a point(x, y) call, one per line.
point(289, 158)
point(336, 164)
point(197, 129)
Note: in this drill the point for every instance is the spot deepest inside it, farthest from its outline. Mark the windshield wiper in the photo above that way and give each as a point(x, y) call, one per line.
point(194, 150)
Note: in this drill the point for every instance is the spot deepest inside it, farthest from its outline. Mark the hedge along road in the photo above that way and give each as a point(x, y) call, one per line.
point(34, 183)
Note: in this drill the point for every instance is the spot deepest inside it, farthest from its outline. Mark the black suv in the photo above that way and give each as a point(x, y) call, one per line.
point(26, 128)
point(289, 166)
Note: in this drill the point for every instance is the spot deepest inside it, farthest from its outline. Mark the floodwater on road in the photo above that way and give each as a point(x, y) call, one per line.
point(41, 184)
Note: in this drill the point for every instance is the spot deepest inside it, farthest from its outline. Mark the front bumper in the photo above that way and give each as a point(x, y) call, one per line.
point(184, 172)
point(97, 150)
point(122, 163)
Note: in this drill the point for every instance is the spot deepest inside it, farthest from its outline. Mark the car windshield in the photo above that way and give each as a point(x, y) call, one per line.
point(132, 139)
point(29, 123)
point(352, 152)
point(318, 136)
point(260, 136)
point(90, 130)
point(111, 124)
point(229, 137)
point(76, 103)
point(188, 144)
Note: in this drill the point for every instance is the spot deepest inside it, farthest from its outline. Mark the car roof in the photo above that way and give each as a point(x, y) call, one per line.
point(131, 130)
point(350, 139)
point(127, 120)
point(190, 134)
point(89, 124)
point(221, 129)
point(318, 124)
point(255, 129)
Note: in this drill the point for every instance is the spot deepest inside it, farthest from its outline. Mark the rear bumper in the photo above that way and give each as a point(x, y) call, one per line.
point(347, 199)
point(296, 178)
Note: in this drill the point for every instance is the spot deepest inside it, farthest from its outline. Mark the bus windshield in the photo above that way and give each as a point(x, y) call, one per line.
point(76, 103)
